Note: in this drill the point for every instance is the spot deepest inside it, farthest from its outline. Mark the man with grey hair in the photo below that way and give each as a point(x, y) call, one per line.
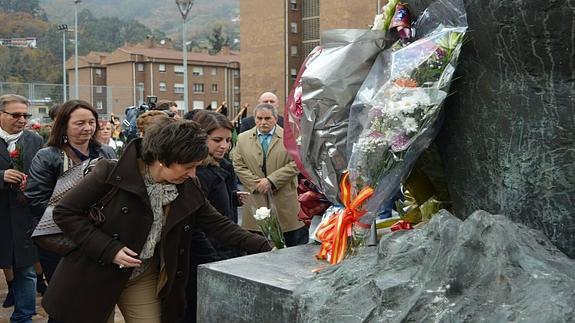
point(267, 171)
point(267, 97)
point(17, 251)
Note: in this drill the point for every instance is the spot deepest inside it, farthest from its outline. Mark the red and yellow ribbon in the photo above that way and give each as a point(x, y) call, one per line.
point(335, 232)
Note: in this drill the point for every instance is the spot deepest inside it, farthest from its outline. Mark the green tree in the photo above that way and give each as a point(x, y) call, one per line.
point(29, 6)
point(218, 39)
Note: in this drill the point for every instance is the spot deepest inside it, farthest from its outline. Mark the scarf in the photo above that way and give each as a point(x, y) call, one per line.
point(160, 196)
point(10, 139)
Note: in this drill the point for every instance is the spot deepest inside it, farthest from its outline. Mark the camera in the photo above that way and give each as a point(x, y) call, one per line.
point(151, 101)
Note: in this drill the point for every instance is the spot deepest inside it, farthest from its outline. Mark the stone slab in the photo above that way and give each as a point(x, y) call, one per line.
point(255, 288)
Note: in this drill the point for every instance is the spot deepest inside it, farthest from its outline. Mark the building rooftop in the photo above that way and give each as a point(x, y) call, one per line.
point(149, 50)
point(167, 53)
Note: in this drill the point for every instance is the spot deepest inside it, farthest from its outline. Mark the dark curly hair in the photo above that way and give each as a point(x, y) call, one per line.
point(180, 142)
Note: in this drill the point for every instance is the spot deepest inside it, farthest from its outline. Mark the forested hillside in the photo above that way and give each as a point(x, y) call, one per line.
point(103, 25)
point(159, 15)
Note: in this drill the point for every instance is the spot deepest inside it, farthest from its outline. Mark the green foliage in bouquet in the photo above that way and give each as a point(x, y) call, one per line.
point(432, 69)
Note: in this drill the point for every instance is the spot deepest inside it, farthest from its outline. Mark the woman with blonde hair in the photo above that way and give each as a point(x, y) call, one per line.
point(151, 117)
point(104, 135)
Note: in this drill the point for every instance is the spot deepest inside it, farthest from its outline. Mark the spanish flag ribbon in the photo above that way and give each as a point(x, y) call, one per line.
point(334, 232)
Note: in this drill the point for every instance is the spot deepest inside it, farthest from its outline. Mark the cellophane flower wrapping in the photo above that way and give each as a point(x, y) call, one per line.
point(294, 111)
point(398, 110)
point(326, 89)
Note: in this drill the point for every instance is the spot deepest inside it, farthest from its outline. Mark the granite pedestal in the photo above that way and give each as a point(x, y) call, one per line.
point(255, 288)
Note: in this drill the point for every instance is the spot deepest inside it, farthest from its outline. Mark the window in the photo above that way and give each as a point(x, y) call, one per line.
point(98, 72)
point(163, 87)
point(293, 27)
point(293, 73)
point(98, 89)
point(198, 87)
point(214, 71)
point(140, 67)
point(140, 86)
point(214, 87)
point(162, 67)
point(178, 87)
point(214, 105)
point(197, 71)
point(42, 110)
point(293, 51)
point(293, 4)
point(197, 105)
point(236, 104)
point(179, 69)
point(99, 105)
point(236, 74)
point(236, 88)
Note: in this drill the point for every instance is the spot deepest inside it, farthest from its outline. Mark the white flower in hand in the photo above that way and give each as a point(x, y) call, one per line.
point(262, 213)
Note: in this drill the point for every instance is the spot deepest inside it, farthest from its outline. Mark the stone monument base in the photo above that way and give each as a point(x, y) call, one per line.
point(255, 288)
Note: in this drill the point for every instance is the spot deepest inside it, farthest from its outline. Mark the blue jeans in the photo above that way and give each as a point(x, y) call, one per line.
point(24, 289)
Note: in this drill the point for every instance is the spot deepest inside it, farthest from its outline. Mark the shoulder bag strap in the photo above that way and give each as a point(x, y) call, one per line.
point(71, 155)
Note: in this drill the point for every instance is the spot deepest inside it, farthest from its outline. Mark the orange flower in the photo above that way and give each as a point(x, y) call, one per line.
point(405, 83)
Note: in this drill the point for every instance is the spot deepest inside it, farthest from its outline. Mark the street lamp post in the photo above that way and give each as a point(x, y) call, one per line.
point(76, 74)
point(64, 29)
point(184, 6)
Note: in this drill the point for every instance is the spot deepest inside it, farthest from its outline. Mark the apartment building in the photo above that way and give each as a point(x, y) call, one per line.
point(92, 79)
point(276, 36)
point(131, 73)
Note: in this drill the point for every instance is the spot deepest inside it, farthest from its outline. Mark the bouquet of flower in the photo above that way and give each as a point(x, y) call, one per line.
point(268, 222)
point(318, 106)
point(17, 157)
point(397, 112)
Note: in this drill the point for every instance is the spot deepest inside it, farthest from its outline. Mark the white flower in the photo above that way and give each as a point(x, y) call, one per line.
point(410, 125)
point(378, 22)
point(262, 213)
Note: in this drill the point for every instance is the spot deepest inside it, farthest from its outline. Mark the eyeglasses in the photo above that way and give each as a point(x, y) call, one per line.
point(18, 115)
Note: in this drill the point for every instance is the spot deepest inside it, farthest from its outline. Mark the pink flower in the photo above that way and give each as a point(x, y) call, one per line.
point(376, 134)
point(400, 142)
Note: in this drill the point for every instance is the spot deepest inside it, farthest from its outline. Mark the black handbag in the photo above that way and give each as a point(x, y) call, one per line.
point(47, 233)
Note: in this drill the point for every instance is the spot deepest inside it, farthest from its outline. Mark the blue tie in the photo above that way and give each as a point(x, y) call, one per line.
point(265, 142)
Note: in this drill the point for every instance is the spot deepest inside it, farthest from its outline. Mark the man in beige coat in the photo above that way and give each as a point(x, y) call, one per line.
point(266, 170)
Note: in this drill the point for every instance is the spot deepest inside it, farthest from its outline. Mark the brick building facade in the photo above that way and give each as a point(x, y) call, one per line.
point(276, 36)
point(125, 77)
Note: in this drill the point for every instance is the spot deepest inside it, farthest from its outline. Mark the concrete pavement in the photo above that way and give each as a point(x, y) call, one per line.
point(41, 316)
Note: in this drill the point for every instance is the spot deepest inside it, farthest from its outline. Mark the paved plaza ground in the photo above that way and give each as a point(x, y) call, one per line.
point(41, 315)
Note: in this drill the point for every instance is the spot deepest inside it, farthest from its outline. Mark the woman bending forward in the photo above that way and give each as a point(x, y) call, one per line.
point(138, 258)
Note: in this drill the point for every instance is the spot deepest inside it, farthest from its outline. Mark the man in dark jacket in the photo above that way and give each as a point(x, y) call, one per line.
point(17, 251)
point(266, 97)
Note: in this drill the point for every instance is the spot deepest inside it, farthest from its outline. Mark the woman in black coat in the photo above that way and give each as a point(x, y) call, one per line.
point(71, 142)
point(140, 254)
point(216, 174)
point(219, 183)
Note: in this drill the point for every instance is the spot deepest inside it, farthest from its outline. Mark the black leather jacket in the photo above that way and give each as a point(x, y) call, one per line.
point(47, 166)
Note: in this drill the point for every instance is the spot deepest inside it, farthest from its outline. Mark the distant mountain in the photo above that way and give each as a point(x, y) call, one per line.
point(160, 15)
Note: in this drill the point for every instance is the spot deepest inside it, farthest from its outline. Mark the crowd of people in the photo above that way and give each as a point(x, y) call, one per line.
point(175, 193)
